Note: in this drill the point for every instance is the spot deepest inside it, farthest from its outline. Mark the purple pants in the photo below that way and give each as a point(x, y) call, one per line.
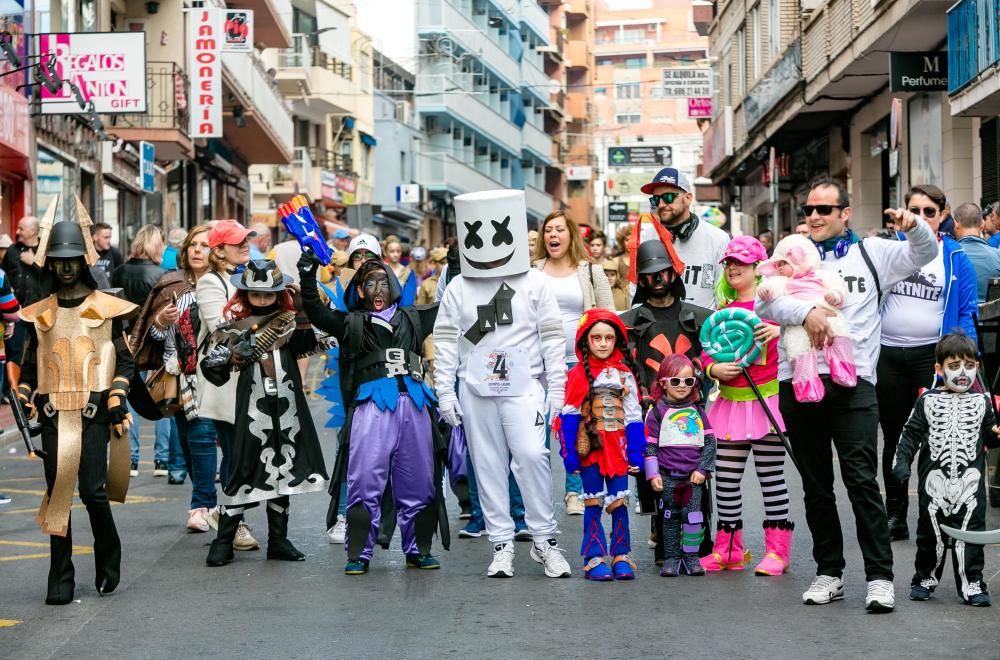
point(388, 443)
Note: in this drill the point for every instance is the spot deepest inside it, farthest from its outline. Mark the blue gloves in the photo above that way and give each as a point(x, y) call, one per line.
point(567, 436)
point(635, 444)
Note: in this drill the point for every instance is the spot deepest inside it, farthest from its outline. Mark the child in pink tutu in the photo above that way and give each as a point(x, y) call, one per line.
point(742, 426)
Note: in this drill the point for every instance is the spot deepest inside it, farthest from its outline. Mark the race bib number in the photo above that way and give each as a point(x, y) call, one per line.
point(499, 371)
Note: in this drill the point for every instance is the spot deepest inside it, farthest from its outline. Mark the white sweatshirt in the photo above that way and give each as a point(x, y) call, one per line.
point(537, 328)
point(894, 261)
point(701, 255)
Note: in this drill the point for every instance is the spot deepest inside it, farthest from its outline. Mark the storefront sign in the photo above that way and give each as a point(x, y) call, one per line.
point(238, 31)
point(661, 156)
point(109, 68)
point(147, 163)
point(14, 121)
point(205, 70)
point(718, 140)
point(918, 72)
point(783, 77)
point(700, 108)
point(328, 185)
point(408, 193)
point(347, 187)
point(679, 83)
point(579, 173)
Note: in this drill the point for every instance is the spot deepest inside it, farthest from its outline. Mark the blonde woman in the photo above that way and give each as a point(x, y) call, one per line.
point(392, 249)
point(577, 284)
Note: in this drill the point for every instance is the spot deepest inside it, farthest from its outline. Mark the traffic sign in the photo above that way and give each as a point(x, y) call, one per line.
point(656, 156)
point(147, 161)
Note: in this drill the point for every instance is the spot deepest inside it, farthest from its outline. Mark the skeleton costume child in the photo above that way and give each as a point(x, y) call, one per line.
point(601, 436)
point(389, 430)
point(949, 426)
point(497, 332)
point(275, 451)
point(76, 369)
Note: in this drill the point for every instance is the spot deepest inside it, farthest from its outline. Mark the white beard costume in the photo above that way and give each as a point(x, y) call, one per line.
point(498, 330)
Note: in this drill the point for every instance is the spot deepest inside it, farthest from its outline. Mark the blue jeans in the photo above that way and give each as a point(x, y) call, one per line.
point(516, 501)
point(176, 463)
point(197, 440)
point(224, 434)
point(161, 442)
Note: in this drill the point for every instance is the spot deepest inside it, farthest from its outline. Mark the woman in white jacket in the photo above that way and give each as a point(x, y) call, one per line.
point(229, 243)
point(577, 284)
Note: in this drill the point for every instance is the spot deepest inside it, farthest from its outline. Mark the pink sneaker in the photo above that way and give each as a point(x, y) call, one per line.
point(198, 520)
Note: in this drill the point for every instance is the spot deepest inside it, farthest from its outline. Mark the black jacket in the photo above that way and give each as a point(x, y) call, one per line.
point(25, 279)
point(137, 278)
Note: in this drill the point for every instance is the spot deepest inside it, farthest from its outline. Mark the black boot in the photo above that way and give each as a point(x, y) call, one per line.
point(221, 552)
point(895, 507)
point(278, 545)
point(61, 583)
point(107, 548)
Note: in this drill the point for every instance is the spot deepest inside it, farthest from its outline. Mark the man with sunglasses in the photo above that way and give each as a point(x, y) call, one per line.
point(936, 299)
point(846, 417)
point(699, 245)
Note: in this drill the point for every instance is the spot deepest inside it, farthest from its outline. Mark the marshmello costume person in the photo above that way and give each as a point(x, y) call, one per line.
point(498, 330)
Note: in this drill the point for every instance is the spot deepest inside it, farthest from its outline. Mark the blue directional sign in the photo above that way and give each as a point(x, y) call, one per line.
point(147, 161)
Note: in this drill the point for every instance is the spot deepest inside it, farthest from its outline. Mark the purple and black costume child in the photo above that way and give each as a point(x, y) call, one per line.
point(389, 429)
point(678, 442)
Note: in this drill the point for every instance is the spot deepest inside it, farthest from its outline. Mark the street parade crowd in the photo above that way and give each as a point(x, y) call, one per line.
point(653, 365)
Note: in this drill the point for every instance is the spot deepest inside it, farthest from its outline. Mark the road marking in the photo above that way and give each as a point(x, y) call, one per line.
point(132, 499)
point(7, 623)
point(77, 550)
point(22, 491)
point(13, 479)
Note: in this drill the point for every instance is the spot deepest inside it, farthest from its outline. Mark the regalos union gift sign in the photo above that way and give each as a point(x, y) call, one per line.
point(109, 68)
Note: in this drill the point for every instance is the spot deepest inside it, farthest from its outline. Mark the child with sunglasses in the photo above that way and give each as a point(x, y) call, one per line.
point(743, 426)
point(680, 455)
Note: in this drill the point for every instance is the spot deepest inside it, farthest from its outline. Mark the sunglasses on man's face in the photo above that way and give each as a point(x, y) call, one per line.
point(667, 198)
point(928, 212)
point(820, 209)
point(687, 381)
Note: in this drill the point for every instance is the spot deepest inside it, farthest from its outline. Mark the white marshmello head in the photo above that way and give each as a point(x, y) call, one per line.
point(492, 233)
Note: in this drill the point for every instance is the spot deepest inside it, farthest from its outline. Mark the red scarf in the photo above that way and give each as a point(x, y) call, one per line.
point(577, 385)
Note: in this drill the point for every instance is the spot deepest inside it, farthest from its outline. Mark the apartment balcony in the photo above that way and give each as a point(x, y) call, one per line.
point(325, 159)
point(265, 137)
point(271, 20)
point(333, 86)
point(577, 106)
point(578, 8)
point(294, 70)
point(299, 177)
point(539, 202)
point(557, 104)
point(440, 17)
point(577, 54)
point(535, 19)
point(702, 14)
point(973, 53)
point(165, 123)
point(444, 173)
point(537, 142)
point(439, 94)
point(534, 80)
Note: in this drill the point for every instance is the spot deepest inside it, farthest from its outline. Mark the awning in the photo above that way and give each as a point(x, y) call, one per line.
point(368, 139)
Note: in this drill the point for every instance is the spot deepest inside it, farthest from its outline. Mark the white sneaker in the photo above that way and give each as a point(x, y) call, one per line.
point(197, 520)
point(824, 589)
point(213, 517)
point(574, 505)
point(551, 557)
point(244, 539)
point(503, 561)
point(881, 596)
point(338, 532)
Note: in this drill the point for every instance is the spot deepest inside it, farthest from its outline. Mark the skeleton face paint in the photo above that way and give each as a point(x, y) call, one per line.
point(959, 375)
point(492, 233)
point(375, 291)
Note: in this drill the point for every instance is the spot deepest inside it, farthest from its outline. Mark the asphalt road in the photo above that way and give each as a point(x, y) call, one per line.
point(170, 605)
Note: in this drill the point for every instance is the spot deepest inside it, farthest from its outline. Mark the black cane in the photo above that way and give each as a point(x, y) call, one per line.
point(770, 416)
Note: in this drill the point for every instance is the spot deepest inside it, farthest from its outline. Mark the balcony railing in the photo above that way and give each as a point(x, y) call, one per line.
point(299, 55)
point(973, 40)
point(167, 99)
point(326, 61)
point(329, 160)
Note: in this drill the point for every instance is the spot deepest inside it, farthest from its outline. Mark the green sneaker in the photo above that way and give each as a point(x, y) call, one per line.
point(356, 567)
point(425, 562)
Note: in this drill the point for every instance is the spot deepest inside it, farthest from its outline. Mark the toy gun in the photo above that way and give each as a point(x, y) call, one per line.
point(27, 429)
point(301, 223)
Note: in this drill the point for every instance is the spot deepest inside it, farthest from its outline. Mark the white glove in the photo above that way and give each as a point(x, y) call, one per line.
point(451, 411)
point(171, 365)
point(555, 401)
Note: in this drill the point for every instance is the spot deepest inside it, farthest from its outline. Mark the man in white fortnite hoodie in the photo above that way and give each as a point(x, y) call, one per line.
point(498, 330)
point(847, 416)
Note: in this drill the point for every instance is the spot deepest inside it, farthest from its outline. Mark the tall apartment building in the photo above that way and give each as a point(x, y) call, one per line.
point(637, 129)
point(811, 81)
